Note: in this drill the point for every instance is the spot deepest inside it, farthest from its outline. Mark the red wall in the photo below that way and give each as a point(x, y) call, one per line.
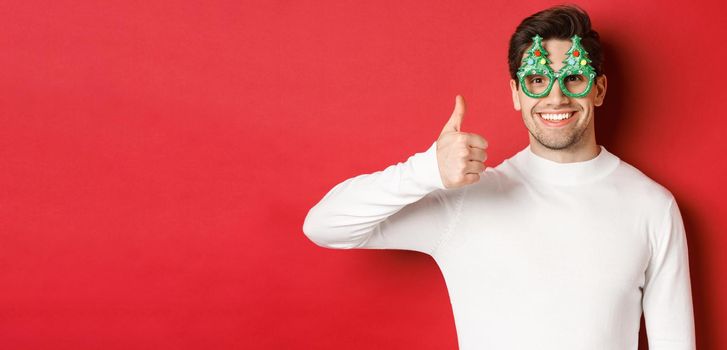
point(157, 160)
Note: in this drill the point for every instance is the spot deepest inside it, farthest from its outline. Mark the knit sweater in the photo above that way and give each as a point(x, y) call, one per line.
point(537, 254)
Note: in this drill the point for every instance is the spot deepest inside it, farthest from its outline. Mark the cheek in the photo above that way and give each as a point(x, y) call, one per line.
point(586, 110)
point(587, 103)
point(529, 105)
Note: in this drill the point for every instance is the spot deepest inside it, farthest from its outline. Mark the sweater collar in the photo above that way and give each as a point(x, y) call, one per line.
point(575, 173)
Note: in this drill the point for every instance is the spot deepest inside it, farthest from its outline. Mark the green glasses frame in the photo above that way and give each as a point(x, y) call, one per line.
point(537, 63)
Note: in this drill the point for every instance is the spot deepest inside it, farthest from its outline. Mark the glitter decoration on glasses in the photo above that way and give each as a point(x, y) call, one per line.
point(537, 77)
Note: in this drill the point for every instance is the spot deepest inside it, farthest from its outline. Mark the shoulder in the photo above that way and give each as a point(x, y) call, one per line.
point(653, 203)
point(643, 197)
point(496, 183)
point(633, 182)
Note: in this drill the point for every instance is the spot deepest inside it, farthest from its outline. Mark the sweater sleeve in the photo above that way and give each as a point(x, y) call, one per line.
point(667, 294)
point(404, 206)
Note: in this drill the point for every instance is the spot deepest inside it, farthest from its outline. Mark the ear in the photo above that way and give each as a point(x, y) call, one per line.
point(601, 84)
point(515, 95)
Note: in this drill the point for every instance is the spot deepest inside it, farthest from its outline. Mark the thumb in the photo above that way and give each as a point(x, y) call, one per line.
point(455, 121)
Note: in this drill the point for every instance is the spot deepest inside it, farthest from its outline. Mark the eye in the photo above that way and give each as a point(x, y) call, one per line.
point(572, 78)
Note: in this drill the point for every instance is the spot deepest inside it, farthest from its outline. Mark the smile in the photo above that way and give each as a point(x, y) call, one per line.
point(556, 119)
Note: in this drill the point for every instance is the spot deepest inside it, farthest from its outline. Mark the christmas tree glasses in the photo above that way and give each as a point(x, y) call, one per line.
point(537, 77)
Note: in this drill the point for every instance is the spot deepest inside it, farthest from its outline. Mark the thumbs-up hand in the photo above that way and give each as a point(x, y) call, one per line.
point(460, 155)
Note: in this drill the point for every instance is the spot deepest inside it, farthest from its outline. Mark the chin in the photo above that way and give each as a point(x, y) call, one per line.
point(558, 146)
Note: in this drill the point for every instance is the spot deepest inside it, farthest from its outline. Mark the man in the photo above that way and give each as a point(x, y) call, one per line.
point(561, 246)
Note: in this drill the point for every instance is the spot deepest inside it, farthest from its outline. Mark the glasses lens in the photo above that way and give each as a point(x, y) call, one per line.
point(536, 83)
point(576, 83)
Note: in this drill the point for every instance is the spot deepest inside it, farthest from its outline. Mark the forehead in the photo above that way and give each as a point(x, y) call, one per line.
point(557, 49)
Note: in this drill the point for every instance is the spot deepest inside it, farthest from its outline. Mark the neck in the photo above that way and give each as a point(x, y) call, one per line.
point(584, 150)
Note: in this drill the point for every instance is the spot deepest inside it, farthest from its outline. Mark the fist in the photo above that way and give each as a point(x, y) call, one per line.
point(460, 155)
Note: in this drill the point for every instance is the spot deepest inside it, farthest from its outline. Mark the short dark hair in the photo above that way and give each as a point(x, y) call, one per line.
point(558, 22)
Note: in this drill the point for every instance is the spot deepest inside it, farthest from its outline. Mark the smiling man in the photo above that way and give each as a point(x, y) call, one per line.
point(558, 108)
point(561, 246)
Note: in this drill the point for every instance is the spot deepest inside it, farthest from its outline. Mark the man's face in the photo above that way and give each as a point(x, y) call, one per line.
point(576, 130)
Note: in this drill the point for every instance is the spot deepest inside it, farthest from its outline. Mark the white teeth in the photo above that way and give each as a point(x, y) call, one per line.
point(550, 116)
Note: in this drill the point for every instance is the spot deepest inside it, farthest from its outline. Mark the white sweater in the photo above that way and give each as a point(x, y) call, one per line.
point(537, 254)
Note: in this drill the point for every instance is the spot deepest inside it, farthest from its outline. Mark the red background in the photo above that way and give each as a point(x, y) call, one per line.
point(157, 159)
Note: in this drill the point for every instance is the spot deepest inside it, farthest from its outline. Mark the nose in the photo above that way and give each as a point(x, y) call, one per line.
point(556, 96)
